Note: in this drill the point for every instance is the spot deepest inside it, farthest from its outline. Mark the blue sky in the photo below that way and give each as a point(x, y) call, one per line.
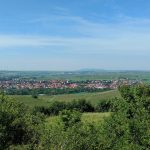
point(70, 35)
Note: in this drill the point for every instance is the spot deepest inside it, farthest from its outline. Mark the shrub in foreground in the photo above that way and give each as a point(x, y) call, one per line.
point(128, 128)
point(17, 125)
point(71, 134)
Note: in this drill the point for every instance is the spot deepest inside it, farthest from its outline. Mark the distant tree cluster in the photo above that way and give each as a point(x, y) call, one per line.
point(52, 91)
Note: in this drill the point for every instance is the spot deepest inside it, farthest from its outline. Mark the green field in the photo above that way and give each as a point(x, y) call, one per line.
point(77, 75)
point(94, 98)
point(86, 118)
point(94, 117)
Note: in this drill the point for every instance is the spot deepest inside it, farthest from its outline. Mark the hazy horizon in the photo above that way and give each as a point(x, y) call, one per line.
point(66, 36)
point(77, 70)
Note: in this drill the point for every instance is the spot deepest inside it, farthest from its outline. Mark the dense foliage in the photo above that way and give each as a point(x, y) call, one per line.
point(104, 106)
point(52, 91)
point(55, 107)
point(17, 125)
point(128, 127)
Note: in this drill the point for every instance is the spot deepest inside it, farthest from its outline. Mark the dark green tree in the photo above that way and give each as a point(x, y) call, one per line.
point(70, 117)
point(17, 125)
point(128, 128)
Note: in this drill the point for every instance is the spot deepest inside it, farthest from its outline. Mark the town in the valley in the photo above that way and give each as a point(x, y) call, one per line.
point(61, 84)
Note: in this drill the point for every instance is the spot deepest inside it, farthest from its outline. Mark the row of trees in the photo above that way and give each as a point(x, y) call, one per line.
point(79, 105)
point(51, 91)
point(128, 127)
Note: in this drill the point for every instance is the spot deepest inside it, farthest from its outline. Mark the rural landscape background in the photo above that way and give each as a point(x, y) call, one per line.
point(74, 75)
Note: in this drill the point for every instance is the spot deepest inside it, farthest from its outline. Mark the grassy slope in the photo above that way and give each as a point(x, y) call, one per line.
point(86, 118)
point(94, 117)
point(45, 100)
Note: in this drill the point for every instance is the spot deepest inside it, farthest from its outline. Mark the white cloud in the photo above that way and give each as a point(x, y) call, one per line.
point(124, 35)
point(131, 43)
point(27, 41)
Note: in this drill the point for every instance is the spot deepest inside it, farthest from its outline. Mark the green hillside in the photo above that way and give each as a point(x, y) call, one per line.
point(94, 98)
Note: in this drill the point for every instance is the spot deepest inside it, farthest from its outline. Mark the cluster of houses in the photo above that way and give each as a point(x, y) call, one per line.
point(34, 84)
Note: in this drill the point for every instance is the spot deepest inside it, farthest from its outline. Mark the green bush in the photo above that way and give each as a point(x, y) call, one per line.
point(81, 105)
point(17, 125)
point(71, 134)
point(70, 117)
point(104, 106)
point(129, 126)
point(55, 107)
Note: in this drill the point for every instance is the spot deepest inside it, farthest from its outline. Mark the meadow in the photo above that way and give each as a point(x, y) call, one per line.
point(44, 100)
point(93, 98)
point(86, 118)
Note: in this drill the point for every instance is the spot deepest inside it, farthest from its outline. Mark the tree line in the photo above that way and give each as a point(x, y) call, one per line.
point(51, 91)
point(80, 105)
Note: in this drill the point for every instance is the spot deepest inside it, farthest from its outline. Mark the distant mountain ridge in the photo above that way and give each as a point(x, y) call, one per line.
point(91, 69)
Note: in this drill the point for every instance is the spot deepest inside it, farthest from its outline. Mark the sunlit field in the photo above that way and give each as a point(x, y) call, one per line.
point(94, 98)
point(86, 118)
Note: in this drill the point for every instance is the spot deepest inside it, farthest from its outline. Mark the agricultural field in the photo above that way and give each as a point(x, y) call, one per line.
point(76, 75)
point(94, 98)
